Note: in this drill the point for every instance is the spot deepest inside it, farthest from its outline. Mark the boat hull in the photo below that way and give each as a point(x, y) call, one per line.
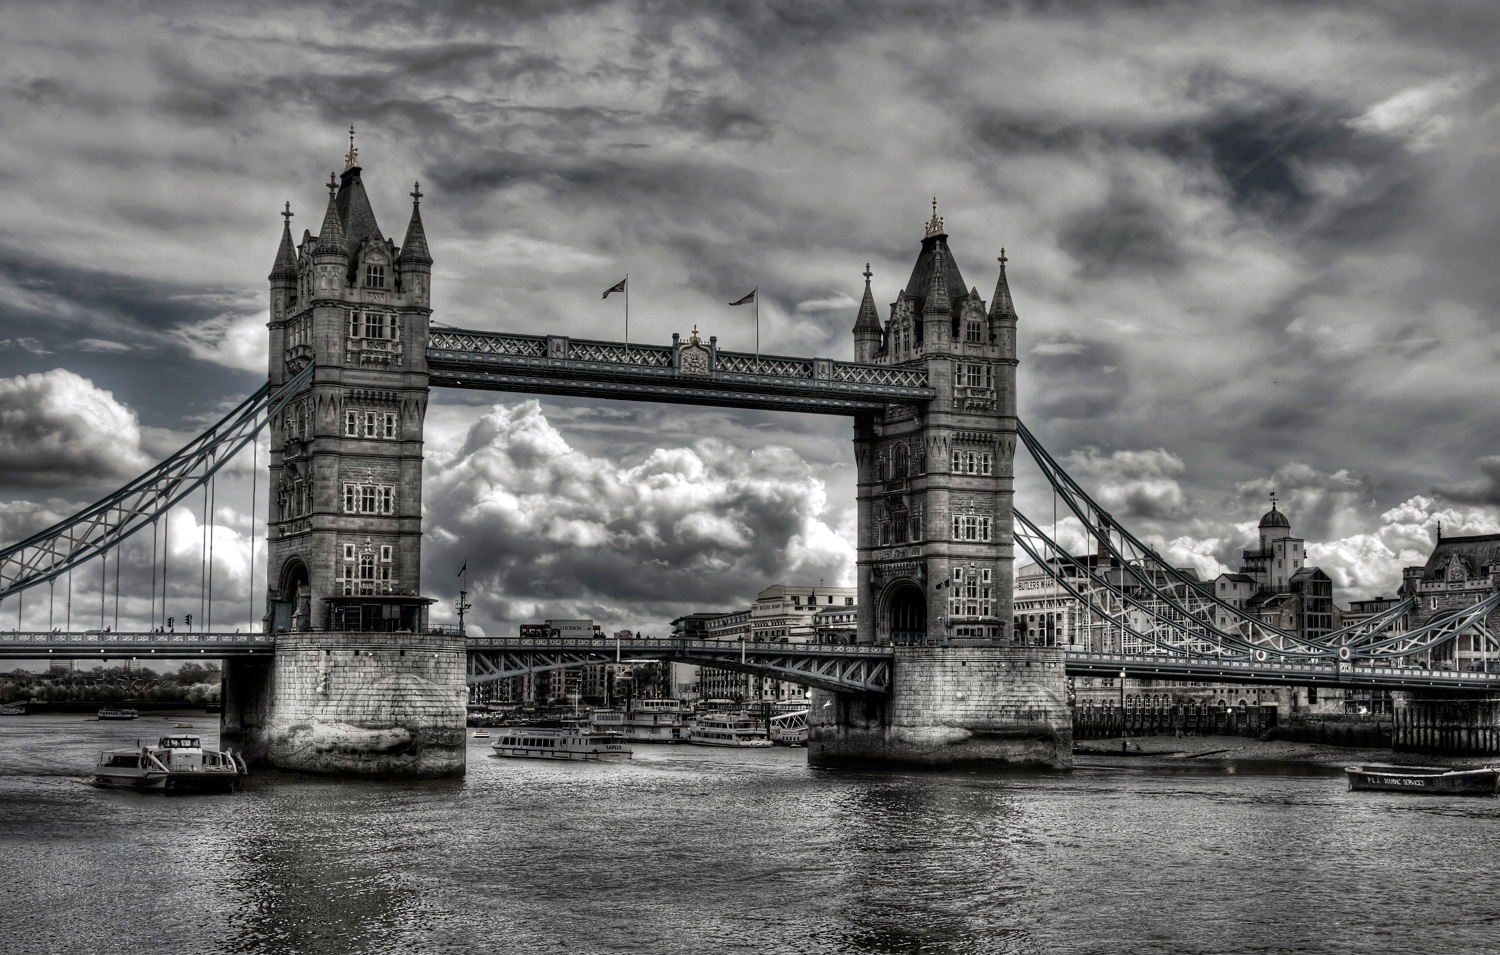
point(203, 782)
point(1424, 780)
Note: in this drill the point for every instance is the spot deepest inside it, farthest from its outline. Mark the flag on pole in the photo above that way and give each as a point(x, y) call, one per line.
point(617, 287)
point(463, 568)
point(747, 298)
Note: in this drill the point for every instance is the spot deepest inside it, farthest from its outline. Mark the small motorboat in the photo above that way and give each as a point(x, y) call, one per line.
point(182, 726)
point(13, 709)
point(1428, 780)
point(481, 735)
point(176, 763)
point(116, 713)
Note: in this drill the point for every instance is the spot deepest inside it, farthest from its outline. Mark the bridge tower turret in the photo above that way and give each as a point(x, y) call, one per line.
point(867, 334)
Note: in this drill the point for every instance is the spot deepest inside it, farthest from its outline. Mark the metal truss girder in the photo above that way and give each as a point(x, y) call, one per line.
point(114, 645)
point(536, 364)
point(110, 521)
point(842, 669)
point(1289, 672)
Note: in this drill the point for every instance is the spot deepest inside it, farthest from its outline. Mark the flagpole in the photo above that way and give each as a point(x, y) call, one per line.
point(757, 323)
point(627, 317)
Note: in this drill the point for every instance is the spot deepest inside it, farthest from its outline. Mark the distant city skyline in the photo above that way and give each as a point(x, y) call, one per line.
point(1247, 246)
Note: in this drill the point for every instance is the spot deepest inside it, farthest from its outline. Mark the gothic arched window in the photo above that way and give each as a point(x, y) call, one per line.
point(899, 467)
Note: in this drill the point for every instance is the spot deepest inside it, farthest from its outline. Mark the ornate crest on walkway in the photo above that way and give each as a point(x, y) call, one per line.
point(693, 357)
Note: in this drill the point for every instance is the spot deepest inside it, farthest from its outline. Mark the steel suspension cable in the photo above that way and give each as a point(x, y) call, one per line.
point(117, 594)
point(254, 480)
point(68, 624)
point(103, 583)
point(213, 501)
point(203, 558)
point(152, 627)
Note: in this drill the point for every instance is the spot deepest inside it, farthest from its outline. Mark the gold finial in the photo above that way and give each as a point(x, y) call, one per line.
point(934, 225)
point(694, 339)
point(351, 159)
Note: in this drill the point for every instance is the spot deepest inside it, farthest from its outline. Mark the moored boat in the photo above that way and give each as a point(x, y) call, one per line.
point(116, 713)
point(1430, 780)
point(727, 730)
point(646, 721)
point(559, 742)
point(13, 709)
point(177, 763)
point(789, 729)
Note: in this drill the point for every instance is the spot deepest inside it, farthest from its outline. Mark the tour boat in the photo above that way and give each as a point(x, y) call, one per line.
point(115, 713)
point(481, 735)
point(13, 709)
point(177, 763)
point(727, 730)
point(789, 729)
point(1432, 780)
point(646, 721)
point(559, 742)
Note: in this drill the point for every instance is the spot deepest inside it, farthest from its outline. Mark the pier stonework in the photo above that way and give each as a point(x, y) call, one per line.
point(936, 543)
point(952, 707)
point(385, 704)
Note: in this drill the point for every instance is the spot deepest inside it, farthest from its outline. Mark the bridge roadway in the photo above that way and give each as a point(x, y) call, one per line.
point(841, 668)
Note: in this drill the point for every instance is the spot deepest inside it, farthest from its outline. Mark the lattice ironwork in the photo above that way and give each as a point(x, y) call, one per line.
point(50, 553)
point(736, 363)
point(879, 375)
point(486, 343)
point(841, 669)
point(618, 353)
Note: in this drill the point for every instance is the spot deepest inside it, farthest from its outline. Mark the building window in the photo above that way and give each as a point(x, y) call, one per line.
point(973, 332)
point(973, 462)
point(385, 553)
point(389, 425)
point(374, 325)
point(351, 424)
point(375, 276)
point(369, 499)
point(354, 324)
point(970, 527)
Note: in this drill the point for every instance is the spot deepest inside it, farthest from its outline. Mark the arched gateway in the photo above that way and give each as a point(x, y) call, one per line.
point(932, 395)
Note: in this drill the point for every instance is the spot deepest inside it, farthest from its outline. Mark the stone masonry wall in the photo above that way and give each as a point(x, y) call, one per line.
point(953, 706)
point(364, 704)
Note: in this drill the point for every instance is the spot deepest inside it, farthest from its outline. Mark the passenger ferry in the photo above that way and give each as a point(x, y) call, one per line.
point(727, 730)
point(176, 763)
point(115, 713)
point(647, 721)
point(565, 742)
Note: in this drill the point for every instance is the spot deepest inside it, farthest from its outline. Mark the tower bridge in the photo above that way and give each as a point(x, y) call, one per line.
point(348, 675)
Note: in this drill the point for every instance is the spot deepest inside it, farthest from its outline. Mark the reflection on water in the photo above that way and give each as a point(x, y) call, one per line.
point(688, 850)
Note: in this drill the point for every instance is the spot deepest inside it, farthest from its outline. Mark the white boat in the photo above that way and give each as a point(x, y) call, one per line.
point(565, 742)
point(177, 763)
point(115, 713)
point(647, 721)
point(13, 709)
point(723, 729)
point(789, 729)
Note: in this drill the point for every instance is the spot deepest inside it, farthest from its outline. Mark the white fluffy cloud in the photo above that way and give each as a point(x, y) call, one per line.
point(58, 429)
point(548, 530)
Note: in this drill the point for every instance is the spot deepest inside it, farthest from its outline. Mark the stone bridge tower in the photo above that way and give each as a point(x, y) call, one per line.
point(357, 684)
point(935, 483)
point(935, 551)
point(345, 508)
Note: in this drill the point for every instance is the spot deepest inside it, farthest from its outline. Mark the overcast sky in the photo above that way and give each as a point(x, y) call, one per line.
point(1251, 247)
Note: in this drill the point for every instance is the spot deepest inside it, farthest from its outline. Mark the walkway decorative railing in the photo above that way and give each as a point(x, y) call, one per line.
point(113, 644)
point(685, 372)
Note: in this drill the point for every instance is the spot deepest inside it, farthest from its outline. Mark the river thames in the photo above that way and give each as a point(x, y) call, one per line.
point(692, 850)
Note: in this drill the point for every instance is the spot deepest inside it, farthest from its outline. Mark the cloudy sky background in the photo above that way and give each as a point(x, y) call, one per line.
point(1250, 244)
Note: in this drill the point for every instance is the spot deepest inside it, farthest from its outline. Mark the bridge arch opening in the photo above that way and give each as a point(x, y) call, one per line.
point(906, 615)
point(291, 608)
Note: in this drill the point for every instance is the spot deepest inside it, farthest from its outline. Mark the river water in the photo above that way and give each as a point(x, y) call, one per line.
point(693, 850)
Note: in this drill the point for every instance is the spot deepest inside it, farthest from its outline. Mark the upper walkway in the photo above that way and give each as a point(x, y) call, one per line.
point(690, 372)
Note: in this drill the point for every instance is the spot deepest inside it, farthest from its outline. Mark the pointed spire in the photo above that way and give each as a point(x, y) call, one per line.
point(868, 319)
point(1001, 305)
point(351, 158)
point(934, 225)
point(414, 246)
point(331, 237)
point(937, 302)
point(286, 257)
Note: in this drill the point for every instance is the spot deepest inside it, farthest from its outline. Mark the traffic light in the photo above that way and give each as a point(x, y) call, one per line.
point(169, 622)
point(187, 621)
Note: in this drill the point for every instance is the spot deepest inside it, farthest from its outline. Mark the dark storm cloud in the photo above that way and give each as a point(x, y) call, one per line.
point(1486, 490)
point(1126, 232)
point(1086, 378)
